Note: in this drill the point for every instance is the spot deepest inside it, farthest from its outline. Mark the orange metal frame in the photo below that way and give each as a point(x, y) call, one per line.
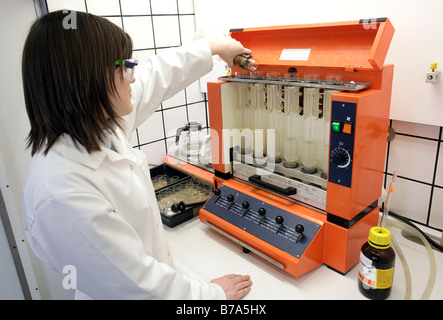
point(357, 52)
point(195, 172)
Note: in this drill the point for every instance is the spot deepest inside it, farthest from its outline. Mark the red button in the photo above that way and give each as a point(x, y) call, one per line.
point(347, 128)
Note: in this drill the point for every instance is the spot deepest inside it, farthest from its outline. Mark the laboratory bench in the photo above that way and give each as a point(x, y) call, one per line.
point(201, 252)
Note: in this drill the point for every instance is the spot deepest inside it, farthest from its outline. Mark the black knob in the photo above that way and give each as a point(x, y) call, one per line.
point(262, 211)
point(230, 197)
point(175, 208)
point(339, 158)
point(245, 205)
point(299, 228)
point(279, 219)
point(217, 192)
point(178, 207)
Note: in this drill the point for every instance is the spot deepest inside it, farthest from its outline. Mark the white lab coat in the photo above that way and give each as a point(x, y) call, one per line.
point(98, 213)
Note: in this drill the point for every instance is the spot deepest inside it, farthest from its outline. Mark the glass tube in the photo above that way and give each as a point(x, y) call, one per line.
point(324, 149)
point(275, 123)
point(244, 116)
point(240, 105)
point(293, 126)
point(311, 126)
point(260, 118)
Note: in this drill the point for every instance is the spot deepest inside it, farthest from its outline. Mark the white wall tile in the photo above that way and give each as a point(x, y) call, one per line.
point(410, 199)
point(135, 7)
point(174, 119)
point(115, 20)
point(186, 6)
point(164, 6)
point(170, 143)
point(143, 55)
point(193, 93)
point(187, 28)
point(436, 218)
point(413, 158)
point(151, 129)
point(167, 33)
point(140, 30)
point(439, 173)
point(177, 100)
point(197, 112)
point(155, 152)
point(103, 7)
point(77, 5)
point(416, 129)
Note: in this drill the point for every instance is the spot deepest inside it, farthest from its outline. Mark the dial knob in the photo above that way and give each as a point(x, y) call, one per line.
point(245, 204)
point(230, 197)
point(340, 157)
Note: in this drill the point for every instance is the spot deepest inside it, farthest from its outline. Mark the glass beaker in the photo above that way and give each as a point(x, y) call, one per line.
point(312, 77)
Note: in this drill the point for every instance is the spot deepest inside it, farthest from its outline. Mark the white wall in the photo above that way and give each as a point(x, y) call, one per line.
point(16, 18)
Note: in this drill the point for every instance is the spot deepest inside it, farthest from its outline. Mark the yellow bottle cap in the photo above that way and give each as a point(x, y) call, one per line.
point(434, 65)
point(379, 237)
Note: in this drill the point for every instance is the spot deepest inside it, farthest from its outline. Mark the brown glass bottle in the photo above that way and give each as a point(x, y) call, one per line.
point(246, 62)
point(376, 267)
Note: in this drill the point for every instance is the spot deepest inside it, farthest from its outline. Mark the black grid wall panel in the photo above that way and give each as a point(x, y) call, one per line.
point(416, 154)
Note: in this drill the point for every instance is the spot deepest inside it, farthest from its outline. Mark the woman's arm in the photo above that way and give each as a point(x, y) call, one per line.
point(227, 48)
point(164, 75)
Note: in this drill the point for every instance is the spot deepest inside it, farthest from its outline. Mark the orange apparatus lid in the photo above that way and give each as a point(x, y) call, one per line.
point(359, 45)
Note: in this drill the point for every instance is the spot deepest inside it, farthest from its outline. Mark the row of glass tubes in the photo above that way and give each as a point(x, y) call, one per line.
point(331, 78)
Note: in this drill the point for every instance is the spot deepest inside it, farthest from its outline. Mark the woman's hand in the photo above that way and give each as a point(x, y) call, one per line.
point(234, 285)
point(227, 48)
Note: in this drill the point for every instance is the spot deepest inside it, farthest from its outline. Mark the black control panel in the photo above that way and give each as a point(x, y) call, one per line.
point(342, 142)
point(284, 230)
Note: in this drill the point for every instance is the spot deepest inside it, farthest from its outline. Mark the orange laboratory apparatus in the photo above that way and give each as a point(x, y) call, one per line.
point(298, 145)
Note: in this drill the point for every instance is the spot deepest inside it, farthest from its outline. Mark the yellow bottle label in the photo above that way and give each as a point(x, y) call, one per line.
point(384, 278)
point(373, 277)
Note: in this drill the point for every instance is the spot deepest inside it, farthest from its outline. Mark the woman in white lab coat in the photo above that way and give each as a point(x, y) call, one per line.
point(88, 202)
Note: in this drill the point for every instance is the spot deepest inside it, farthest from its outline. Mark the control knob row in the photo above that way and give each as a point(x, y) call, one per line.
point(298, 228)
point(262, 212)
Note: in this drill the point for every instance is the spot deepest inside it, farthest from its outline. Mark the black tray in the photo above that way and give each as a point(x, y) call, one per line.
point(171, 219)
point(167, 172)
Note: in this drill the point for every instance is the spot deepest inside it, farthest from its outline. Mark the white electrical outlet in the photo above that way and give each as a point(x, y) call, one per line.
point(433, 77)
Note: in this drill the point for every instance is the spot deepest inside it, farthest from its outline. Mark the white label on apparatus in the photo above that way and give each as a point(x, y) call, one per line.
point(295, 54)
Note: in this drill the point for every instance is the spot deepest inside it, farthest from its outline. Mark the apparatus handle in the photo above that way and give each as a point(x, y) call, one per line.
point(284, 191)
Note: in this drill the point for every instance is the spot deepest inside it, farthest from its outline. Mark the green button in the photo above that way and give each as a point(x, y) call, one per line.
point(336, 126)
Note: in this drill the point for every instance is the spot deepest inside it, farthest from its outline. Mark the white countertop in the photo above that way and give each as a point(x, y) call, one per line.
point(203, 253)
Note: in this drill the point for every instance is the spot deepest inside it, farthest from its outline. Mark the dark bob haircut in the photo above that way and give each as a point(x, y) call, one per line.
point(68, 77)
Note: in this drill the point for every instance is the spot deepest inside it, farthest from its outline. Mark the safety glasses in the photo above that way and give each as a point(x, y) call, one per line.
point(128, 67)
